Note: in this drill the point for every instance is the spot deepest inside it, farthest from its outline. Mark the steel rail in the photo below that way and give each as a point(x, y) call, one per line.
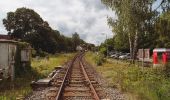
point(61, 89)
point(65, 77)
point(95, 95)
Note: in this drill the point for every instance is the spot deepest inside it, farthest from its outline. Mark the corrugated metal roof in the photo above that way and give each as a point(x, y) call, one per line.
point(5, 37)
point(7, 41)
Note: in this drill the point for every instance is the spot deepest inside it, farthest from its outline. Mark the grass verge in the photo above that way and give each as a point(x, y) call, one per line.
point(137, 83)
point(44, 66)
point(19, 88)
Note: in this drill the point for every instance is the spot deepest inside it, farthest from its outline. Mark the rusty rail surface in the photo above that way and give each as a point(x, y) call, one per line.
point(65, 78)
point(77, 69)
point(96, 97)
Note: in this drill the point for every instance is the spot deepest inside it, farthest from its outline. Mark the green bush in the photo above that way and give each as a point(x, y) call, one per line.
point(103, 51)
point(41, 53)
point(99, 59)
point(149, 84)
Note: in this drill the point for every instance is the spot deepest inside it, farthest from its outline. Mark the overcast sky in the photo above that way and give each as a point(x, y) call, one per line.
point(87, 17)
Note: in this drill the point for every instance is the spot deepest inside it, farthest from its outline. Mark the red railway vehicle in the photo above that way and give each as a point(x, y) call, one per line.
point(161, 56)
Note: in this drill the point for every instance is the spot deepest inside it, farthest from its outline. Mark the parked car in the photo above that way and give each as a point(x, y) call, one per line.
point(122, 56)
point(125, 56)
point(113, 55)
point(128, 56)
point(116, 55)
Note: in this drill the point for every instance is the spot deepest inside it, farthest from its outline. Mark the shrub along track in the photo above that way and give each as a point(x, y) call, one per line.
point(74, 82)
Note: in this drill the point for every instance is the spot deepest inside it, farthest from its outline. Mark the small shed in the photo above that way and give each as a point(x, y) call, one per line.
point(15, 57)
point(161, 56)
point(7, 57)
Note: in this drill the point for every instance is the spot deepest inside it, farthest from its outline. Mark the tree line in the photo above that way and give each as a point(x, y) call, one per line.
point(139, 24)
point(26, 25)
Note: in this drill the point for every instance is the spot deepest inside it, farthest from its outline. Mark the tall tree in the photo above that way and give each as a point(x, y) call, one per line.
point(76, 40)
point(162, 29)
point(22, 22)
point(27, 25)
point(133, 15)
point(165, 5)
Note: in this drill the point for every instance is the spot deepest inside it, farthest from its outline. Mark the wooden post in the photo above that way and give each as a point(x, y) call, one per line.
point(142, 59)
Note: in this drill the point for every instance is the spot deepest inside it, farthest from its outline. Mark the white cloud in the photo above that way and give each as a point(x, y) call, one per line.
point(87, 17)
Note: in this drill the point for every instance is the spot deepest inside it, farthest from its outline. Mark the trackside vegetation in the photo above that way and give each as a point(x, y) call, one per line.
point(138, 24)
point(137, 83)
point(40, 68)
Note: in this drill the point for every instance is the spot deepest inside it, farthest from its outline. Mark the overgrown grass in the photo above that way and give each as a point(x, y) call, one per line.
point(19, 88)
point(45, 66)
point(138, 83)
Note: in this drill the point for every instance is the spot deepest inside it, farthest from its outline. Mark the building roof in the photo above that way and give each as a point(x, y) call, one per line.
point(161, 50)
point(7, 41)
point(5, 37)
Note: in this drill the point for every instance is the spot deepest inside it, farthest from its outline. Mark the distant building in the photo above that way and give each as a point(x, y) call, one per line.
point(79, 48)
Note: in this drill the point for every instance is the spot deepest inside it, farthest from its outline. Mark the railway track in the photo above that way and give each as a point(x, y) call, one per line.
point(75, 82)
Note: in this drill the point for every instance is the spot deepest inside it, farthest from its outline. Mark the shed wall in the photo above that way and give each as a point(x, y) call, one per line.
point(7, 55)
point(3, 55)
